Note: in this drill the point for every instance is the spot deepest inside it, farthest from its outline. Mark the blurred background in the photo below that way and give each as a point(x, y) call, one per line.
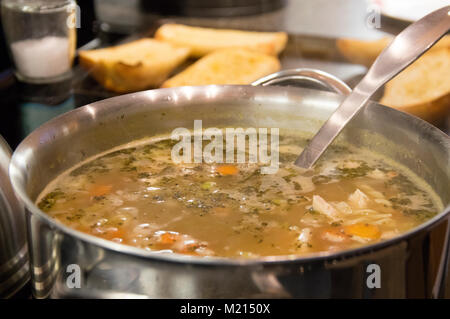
point(313, 28)
point(335, 18)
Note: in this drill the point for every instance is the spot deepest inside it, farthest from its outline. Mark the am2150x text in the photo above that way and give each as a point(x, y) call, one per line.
point(238, 308)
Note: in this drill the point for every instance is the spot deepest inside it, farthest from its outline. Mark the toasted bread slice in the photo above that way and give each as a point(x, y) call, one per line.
point(133, 66)
point(228, 66)
point(365, 52)
point(423, 89)
point(202, 41)
point(361, 52)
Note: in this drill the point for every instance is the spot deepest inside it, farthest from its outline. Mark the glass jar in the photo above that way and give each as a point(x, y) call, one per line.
point(41, 37)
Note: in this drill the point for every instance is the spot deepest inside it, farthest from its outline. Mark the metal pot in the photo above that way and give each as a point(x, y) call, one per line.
point(13, 245)
point(414, 264)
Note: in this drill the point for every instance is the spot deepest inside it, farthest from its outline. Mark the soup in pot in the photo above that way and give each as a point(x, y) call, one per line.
point(136, 195)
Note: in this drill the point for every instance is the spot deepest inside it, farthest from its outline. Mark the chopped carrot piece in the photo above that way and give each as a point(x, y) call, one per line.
point(227, 170)
point(189, 247)
point(100, 190)
point(392, 174)
point(363, 230)
point(168, 238)
point(114, 233)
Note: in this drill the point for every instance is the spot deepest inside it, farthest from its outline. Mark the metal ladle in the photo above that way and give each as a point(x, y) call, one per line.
point(406, 47)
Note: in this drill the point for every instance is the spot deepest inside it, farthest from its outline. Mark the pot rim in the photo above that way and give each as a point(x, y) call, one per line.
point(211, 261)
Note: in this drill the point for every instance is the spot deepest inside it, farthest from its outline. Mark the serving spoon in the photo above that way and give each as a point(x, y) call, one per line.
point(406, 47)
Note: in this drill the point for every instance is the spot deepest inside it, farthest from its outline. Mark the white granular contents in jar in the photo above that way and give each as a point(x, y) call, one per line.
point(45, 57)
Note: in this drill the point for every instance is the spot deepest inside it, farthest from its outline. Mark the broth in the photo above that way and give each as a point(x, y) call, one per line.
point(137, 196)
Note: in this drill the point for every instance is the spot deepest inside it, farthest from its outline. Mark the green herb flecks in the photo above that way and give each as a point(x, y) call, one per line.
point(396, 202)
point(362, 170)
point(419, 214)
point(96, 166)
point(127, 164)
point(321, 179)
point(119, 152)
point(403, 184)
point(50, 199)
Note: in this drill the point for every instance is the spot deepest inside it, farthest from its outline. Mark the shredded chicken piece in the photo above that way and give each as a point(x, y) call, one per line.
point(349, 164)
point(334, 236)
point(343, 207)
point(322, 206)
point(377, 174)
point(370, 191)
point(359, 199)
point(383, 202)
point(305, 235)
point(389, 234)
point(360, 239)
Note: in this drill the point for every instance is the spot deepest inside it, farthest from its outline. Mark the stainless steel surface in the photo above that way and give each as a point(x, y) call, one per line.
point(308, 77)
point(406, 47)
point(13, 246)
point(412, 265)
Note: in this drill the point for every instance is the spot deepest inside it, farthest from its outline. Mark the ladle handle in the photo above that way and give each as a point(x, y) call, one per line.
point(406, 47)
point(304, 76)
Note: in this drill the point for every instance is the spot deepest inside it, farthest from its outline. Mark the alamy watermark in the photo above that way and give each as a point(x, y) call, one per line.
point(74, 18)
point(373, 18)
point(73, 279)
point(190, 148)
point(374, 276)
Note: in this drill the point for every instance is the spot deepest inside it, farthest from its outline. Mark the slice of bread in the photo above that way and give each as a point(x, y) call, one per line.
point(133, 66)
point(423, 89)
point(365, 52)
point(361, 52)
point(228, 66)
point(202, 41)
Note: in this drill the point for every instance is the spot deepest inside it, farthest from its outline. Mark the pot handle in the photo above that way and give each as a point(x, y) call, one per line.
point(311, 78)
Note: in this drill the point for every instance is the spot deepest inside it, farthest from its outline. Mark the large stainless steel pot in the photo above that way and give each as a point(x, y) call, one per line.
point(412, 265)
point(13, 244)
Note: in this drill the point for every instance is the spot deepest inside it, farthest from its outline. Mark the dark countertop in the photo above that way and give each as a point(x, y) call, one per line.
point(24, 107)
